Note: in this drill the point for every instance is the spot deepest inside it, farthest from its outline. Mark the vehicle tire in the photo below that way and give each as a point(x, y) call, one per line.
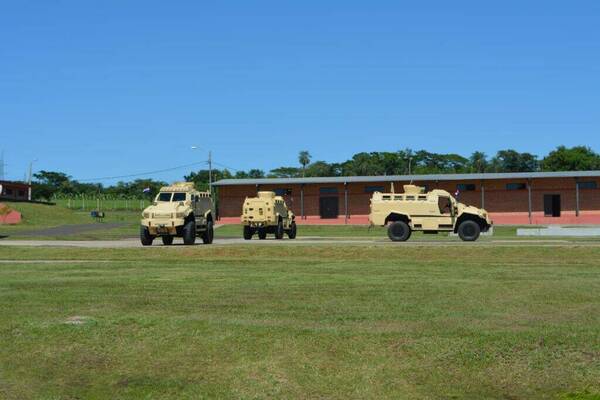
point(248, 232)
point(399, 231)
point(145, 237)
point(167, 240)
point(279, 230)
point(469, 231)
point(262, 233)
point(189, 232)
point(292, 231)
point(209, 234)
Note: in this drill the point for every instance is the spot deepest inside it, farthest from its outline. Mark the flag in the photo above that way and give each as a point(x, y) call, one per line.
point(457, 193)
point(146, 190)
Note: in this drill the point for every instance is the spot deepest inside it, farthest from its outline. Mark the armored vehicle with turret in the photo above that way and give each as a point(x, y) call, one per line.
point(431, 212)
point(267, 214)
point(178, 210)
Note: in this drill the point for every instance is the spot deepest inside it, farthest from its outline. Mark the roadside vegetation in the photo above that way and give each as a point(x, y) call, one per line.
point(334, 322)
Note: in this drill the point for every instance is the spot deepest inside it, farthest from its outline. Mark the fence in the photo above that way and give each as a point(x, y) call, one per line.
point(102, 204)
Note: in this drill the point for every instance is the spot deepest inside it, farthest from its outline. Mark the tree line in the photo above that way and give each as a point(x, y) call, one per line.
point(51, 184)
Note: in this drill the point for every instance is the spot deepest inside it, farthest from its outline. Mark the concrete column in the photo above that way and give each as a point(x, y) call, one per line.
point(529, 198)
point(576, 198)
point(346, 202)
point(482, 195)
point(302, 201)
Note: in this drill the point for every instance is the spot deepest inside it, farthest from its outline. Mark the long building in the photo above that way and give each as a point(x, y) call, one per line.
point(510, 198)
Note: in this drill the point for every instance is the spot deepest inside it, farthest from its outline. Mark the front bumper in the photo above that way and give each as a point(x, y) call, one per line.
point(163, 227)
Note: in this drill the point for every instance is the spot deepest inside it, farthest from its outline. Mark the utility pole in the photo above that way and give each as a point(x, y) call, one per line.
point(29, 180)
point(210, 172)
point(2, 166)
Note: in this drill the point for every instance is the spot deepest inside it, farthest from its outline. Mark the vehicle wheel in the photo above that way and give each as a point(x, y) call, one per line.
point(189, 232)
point(469, 231)
point(292, 232)
point(279, 230)
point(262, 233)
point(209, 234)
point(145, 237)
point(399, 231)
point(248, 232)
point(167, 240)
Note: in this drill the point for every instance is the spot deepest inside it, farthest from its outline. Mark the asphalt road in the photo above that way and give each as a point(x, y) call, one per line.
point(135, 243)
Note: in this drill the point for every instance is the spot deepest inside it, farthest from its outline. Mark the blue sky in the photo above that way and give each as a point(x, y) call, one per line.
point(103, 88)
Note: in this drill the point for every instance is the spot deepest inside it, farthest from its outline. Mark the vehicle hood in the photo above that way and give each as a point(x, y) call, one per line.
point(462, 208)
point(164, 208)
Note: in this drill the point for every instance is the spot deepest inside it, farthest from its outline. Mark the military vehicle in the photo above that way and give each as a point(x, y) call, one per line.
point(267, 213)
point(178, 210)
point(432, 212)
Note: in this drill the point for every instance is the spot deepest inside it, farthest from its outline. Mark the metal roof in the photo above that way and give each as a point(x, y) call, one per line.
point(407, 178)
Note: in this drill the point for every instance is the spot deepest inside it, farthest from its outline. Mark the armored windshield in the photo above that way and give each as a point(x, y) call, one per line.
point(169, 196)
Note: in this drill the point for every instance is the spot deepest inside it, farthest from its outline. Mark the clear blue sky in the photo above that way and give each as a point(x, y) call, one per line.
point(97, 88)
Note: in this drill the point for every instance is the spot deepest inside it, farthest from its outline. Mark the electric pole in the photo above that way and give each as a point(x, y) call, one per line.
point(210, 172)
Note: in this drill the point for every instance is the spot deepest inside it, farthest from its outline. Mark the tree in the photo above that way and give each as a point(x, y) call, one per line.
point(284, 172)
point(256, 174)
point(304, 159)
point(578, 158)
point(512, 161)
point(478, 162)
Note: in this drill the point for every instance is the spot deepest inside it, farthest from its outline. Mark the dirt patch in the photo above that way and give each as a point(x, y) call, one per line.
point(77, 320)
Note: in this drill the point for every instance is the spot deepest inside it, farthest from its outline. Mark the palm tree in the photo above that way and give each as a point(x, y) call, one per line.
point(304, 159)
point(478, 161)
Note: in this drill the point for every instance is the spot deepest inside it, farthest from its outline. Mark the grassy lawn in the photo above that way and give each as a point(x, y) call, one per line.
point(335, 322)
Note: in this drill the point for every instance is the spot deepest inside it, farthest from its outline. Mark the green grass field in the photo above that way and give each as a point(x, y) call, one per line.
point(296, 322)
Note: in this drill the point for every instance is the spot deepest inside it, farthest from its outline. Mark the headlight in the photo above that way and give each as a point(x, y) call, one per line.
point(179, 215)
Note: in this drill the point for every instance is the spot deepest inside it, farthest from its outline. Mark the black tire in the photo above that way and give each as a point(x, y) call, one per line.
point(167, 240)
point(279, 231)
point(248, 232)
point(189, 232)
point(469, 231)
point(292, 231)
point(209, 233)
point(145, 237)
point(262, 233)
point(399, 231)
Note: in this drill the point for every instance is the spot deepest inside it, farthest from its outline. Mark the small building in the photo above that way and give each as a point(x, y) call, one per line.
point(14, 191)
point(570, 197)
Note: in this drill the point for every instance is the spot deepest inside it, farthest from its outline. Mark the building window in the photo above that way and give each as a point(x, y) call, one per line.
point(21, 193)
point(283, 192)
point(588, 185)
point(516, 186)
point(8, 192)
point(465, 187)
point(373, 189)
point(328, 190)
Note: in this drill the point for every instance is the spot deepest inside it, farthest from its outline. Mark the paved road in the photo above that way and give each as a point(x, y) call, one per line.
point(64, 230)
point(135, 243)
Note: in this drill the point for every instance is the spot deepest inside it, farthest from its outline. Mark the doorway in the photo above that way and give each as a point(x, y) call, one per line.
point(329, 207)
point(552, 205)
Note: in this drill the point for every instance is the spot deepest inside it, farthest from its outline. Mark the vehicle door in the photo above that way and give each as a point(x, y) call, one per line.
point(446, 208)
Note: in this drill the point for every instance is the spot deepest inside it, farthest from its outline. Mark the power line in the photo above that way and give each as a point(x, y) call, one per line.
point(105, 178)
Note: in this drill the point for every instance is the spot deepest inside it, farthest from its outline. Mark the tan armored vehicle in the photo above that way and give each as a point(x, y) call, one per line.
point(267, 213)
point(178, 210)
point(432, 212)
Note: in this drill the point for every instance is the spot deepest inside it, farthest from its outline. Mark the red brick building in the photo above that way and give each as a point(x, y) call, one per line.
point(511, 198)
point(14, 190)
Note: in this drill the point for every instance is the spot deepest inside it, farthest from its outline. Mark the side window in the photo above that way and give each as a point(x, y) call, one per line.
point(444, 205)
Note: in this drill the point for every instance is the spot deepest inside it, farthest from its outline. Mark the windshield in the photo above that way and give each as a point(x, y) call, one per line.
point(178, 196)
point(166, 196)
